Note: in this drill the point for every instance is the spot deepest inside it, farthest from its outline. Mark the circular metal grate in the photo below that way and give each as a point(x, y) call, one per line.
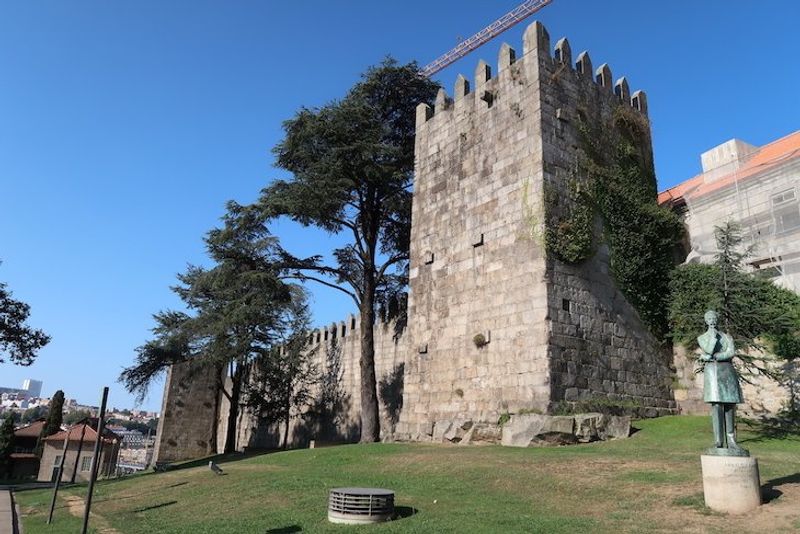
point(360, 505)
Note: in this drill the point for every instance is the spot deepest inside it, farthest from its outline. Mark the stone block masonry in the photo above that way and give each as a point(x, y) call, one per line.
point(336, 410)
point(479, 265)
point(496, 323)
point(188, 414)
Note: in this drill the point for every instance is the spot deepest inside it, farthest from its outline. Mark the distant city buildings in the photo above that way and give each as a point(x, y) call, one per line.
point(758, 187)
point(128, 439)
point(28, 396)
point(30, 389)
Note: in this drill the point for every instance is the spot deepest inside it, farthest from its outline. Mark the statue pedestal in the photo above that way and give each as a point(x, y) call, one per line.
point(731, 483)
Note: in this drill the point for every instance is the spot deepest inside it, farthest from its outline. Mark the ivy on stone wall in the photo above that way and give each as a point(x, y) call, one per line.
point(612, 199)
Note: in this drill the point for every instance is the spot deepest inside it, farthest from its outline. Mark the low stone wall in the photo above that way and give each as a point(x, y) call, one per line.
point(762, 395)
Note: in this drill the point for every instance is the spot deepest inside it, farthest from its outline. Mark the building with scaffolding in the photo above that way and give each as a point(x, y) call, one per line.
point(759, 188)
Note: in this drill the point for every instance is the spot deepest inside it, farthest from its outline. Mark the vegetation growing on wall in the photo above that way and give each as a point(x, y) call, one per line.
point(612, 199)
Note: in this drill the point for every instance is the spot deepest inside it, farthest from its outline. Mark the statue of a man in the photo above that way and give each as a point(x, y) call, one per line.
point(720, 385)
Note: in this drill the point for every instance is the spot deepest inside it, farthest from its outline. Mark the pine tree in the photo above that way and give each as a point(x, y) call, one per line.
point(284, 377)
point(352, 163)
point(237, 311)
point(55, 416)
point(6, 446)
point(762, 317)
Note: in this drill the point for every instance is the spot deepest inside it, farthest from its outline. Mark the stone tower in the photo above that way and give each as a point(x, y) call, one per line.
point(497, 324)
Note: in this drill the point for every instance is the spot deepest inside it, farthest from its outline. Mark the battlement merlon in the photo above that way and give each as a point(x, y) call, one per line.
point(536, 43)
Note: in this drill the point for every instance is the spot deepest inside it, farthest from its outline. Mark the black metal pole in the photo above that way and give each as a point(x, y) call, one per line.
point(58, 477)
point(95, 460)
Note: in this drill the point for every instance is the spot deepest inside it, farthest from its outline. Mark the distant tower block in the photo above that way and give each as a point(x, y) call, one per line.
point(33, 387)
point(558, 332)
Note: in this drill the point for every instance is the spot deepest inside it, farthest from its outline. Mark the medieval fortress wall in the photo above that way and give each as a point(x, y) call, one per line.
point(193, 411)
point(555, 332)
point(337, 351)
point(496, 324)
point(188, 414)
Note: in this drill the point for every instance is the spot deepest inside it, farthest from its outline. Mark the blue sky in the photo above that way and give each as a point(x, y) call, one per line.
point(125, 126)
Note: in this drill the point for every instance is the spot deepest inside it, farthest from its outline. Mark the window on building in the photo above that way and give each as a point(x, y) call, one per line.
point(783, 197)
point(787, 219)
point(86, 463)
point(786, 211)
point(57, 459)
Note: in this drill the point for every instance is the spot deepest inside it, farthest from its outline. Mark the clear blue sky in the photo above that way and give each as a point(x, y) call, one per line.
point(125, 126)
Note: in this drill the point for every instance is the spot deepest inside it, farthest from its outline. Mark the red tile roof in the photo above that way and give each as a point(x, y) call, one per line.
point(23, 456)
point(90, 435)
point(32, 430)
point(768, 156)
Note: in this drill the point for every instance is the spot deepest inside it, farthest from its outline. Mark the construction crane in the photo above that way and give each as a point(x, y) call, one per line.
point(513, 17)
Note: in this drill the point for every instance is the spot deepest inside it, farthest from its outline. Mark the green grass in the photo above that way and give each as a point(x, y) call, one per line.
point(63, 521)
point(695, 501)
point(648, 483)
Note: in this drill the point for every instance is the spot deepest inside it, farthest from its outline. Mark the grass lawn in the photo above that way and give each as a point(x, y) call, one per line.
point(648, 483)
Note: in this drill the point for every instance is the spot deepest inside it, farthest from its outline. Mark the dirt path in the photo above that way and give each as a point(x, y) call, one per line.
point(76, 506)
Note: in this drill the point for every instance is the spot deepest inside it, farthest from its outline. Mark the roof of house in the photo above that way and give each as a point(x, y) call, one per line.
point(85, 428)
point(33, 430)
point(23, 456)
point(768, 156)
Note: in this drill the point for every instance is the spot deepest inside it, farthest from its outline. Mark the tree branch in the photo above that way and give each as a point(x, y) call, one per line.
point(391, 261)
point(323, 282)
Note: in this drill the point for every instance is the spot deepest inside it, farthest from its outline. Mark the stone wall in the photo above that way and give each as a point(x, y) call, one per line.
point(598, 346)
point(555, 332)
point(188, 414)
point(762, 395)
point(477, 265)
point(337, 355)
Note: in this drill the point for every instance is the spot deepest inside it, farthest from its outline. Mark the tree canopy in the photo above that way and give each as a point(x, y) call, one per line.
point(352, 162)
point(55, 416)
point(284, 379)
point(761, 316)
point(237, 309)
point(19, 343)
point(6, 446)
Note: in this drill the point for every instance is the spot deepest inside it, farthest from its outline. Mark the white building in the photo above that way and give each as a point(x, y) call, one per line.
point(757, 186)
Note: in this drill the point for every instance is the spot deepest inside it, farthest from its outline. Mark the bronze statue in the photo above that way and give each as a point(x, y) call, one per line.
point(720, 386)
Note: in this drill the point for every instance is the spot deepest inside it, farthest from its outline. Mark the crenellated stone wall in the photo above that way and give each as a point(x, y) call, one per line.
point(336, 355)
point(598, 345)
point(556, 332)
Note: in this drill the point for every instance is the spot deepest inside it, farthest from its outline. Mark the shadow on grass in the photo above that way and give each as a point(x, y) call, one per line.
point(770, 491)
point(218, 459)
point(285, 530)
point(783, 425)
point(154, 506)
point(401, 512)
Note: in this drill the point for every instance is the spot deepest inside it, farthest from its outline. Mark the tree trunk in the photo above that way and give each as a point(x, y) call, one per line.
point(370, 422)
point(212, 445)
point(233, 414)
point(287, 408)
